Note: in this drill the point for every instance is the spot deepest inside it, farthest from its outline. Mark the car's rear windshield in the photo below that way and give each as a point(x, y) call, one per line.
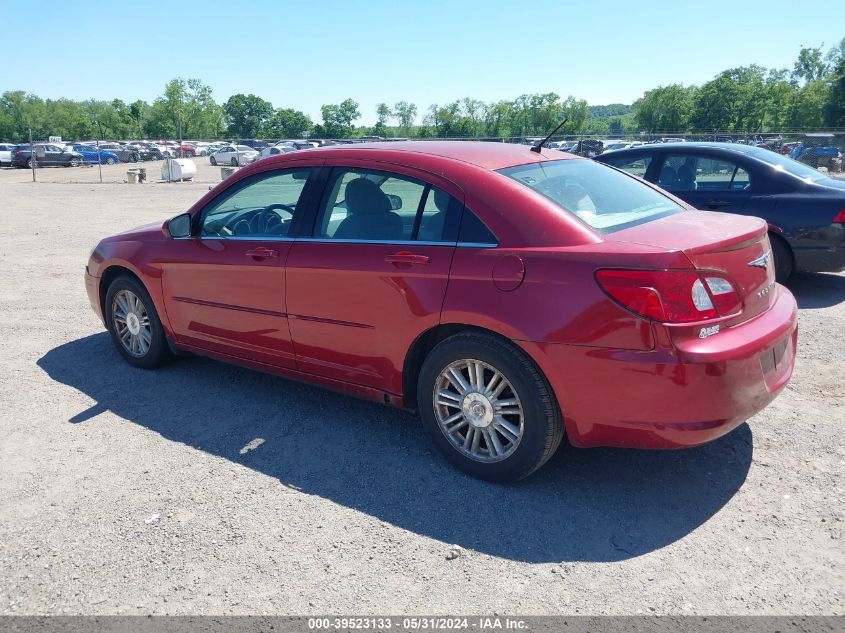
point(602, 197)
point(784, 163)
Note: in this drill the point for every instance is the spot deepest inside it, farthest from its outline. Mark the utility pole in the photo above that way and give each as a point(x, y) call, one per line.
point(31, 155)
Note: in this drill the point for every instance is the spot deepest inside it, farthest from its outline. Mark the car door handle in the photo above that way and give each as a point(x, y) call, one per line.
point(713, 202)
point(403, 259)
point(262, 253)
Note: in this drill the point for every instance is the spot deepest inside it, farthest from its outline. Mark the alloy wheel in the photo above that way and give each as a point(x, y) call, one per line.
point(131, 323)
point(478, 410)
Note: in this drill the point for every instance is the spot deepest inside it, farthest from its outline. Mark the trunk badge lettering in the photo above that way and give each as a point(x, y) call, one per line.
point(708, 331)
point(762, 261)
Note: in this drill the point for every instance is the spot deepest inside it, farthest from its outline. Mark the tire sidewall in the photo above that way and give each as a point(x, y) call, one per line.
point(784, 266)
point(159, 350)
point(529, 455)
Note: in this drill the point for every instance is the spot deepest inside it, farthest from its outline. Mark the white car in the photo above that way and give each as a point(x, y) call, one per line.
point(6, 153)
point(275, 150)
point(233, 155)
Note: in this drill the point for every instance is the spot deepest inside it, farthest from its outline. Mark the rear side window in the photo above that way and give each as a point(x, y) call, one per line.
point(367, 205)
point(603, 198)
point(635, 165)
point(688, 172)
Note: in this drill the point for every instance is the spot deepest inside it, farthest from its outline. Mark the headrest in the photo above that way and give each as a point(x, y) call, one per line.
point(364, 197)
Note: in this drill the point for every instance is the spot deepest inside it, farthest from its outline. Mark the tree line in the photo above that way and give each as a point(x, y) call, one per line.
point(748, 99)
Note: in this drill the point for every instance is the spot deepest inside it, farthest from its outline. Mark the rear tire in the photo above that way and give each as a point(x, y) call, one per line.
point(518, 429)
point(134, 326)
point(213, 161)
point(784, 260)
point(234, 162)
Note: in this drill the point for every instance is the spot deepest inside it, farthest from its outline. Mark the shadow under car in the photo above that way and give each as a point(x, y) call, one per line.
point(584, 505)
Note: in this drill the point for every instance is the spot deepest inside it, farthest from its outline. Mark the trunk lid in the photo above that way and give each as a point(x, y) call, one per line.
point(734, 245)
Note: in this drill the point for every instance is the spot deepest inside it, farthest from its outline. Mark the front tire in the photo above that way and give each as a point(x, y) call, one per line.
point(110, 161)
point(213, 161)
point(134, 325)
point(488, 408)
point(234, 162)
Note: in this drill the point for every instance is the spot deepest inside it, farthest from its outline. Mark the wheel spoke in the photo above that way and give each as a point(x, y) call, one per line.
point(476, 441)
point(448, 395)
point(468, 439)
point(495, 379)
point(508, 430)
point(457, 379)
point(457, 426)
point(476, 375)
point(493, 443)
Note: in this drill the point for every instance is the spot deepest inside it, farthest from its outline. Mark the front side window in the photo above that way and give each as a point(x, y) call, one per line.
point(603, 198)
point(688, 172)
point(260, 207)
point(368, 205)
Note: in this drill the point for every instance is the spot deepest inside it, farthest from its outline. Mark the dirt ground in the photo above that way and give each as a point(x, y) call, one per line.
point(206, 488)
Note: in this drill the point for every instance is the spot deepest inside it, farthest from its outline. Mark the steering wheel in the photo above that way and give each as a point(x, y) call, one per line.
point(267, 221)
point(279, 205)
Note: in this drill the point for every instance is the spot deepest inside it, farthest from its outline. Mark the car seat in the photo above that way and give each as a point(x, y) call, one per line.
point(369, 214)
point(668, 177)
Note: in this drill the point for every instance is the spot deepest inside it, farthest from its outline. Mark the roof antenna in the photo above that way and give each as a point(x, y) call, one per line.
point(539, 146)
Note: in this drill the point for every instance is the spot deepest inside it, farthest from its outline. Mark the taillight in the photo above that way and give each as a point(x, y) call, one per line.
point(840, 217)
point(671, 296)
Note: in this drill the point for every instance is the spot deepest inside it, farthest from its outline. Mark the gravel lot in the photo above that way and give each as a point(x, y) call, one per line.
point(205, 488)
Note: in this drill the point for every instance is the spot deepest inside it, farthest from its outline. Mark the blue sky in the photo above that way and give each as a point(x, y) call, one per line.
point(302, 54)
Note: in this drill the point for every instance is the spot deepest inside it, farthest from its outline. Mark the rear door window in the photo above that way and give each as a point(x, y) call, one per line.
point(689, 172)
point(367, 205)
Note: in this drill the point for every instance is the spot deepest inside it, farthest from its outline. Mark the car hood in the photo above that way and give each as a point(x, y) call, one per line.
point(145, 233)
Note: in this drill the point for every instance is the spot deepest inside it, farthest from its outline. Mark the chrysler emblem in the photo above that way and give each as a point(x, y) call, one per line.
point(762, 261)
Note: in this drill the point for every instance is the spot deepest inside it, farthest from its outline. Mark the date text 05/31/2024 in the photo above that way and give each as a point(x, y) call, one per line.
point(417, 623)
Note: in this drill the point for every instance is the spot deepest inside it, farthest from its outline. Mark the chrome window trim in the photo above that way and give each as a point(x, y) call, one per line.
point(271, 238)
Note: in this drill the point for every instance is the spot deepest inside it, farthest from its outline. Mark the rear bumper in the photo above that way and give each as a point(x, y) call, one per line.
point(828, 253)
point(673, 398)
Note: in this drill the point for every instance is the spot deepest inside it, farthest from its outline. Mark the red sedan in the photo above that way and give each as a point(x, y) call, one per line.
point(509, 296)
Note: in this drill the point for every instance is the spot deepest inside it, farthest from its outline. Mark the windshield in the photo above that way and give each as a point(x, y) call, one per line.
point(784, 163)
point(602, 197)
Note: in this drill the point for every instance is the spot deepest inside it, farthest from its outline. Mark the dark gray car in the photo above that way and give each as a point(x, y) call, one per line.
point(46, 155)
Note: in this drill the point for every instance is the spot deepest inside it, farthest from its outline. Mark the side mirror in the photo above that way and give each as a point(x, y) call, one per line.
point(180, 226)
point(395, 201)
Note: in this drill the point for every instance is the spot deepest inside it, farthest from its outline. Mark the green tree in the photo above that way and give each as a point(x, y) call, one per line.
point(734, 101)
point(338, 120)
point(834, 108)
point(383, 113)
point(287, 123)
point(665, 109)
point(810, 65)
point(246, 114)
point(404, 113)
